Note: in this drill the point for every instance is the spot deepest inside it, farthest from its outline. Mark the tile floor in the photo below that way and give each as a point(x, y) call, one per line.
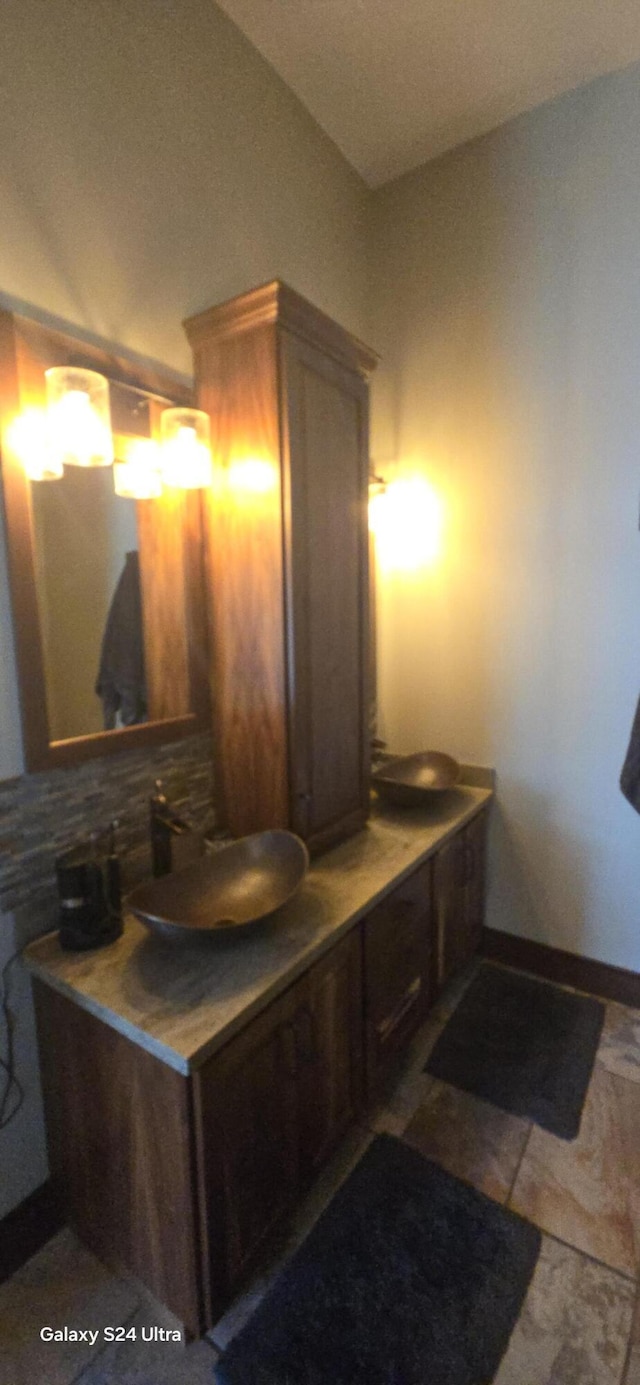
point(580, 1323)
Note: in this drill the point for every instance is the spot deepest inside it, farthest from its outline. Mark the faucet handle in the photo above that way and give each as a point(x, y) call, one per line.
point(158, 798)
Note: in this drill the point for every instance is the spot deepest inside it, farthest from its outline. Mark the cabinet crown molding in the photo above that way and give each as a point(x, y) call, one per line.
point(281, 305)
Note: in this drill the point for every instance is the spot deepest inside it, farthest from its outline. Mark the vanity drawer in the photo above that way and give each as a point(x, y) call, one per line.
point(397, 942)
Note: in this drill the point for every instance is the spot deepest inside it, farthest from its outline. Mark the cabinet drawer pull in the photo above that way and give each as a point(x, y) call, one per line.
point(386, 1026)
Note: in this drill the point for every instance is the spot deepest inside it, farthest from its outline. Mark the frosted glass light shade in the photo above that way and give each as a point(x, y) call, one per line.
point(137, 474)
point(78, 417)
point(186, 448)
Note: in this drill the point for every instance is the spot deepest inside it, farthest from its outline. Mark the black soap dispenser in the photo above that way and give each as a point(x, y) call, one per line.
point(89, 894)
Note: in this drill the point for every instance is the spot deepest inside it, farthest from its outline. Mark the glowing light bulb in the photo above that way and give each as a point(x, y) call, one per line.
point(186, 454)
point(137, 475)
point(28, 439)
point(407, 520)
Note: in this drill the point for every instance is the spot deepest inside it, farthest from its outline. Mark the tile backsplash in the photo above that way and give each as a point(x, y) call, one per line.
point(42, 815)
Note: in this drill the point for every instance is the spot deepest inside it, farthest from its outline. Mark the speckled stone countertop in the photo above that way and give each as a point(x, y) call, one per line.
point(182, 1000)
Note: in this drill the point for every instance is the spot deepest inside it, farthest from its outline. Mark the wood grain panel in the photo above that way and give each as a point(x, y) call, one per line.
point(161, 543)
point(459, 893)
point(329, 1047)
point(326, 451)
point(237, 385)
point(277, 302)
point(449, 903)
point(170, 540)
point(121, 1152)
point(247, 1140)
point(20, 553)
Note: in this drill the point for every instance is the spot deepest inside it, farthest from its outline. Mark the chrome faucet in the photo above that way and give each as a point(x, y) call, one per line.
point(164, 825)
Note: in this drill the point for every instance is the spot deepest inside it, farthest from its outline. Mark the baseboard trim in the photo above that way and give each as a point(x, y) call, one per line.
point(585, 973)
point(27, 1228)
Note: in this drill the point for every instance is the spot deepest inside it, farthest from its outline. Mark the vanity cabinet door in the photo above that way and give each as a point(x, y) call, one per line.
point(458, 891)
point(329, 1052)
point(246, 1119)
point(271, 1106)
point(397, 938)
point(326, 592)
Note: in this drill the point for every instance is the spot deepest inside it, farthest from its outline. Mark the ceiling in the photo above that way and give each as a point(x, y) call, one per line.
point(396, 84)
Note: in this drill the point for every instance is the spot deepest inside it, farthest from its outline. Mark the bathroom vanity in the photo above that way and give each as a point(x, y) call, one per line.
point(193, 1091)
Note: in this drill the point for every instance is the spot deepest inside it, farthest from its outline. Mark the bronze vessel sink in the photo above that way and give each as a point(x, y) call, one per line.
point(411, 779)
point(238, 885)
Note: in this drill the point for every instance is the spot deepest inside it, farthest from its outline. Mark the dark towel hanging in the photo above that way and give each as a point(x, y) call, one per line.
point(630, 777)
point(121, 682)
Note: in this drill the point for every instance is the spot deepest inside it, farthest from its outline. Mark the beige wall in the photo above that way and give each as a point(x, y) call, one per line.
point(151, 163)
point(507, 295)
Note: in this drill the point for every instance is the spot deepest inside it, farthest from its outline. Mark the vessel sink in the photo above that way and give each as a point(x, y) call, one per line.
point(223, 893)
point(410, 780)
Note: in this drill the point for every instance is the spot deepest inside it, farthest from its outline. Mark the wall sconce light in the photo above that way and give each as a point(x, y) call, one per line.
point(406, 518)
point(76, 429)
point(136, 475)
point(185, 448)
point(78, 417)
point(27, 437)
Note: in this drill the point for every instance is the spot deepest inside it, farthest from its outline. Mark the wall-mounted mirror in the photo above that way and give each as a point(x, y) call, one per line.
point(107, 591)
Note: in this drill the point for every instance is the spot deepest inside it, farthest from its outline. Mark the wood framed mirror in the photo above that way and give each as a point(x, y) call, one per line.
point(69, 542)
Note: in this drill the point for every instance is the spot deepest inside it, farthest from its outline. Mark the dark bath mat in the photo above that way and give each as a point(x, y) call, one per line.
point(408, 1277)
point(525, 1045)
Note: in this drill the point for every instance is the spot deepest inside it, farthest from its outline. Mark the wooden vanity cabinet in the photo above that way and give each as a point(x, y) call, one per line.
point(287, 562)
point(271, 1106)
point(398, 972)
point(459, 869)
point(185, 1179)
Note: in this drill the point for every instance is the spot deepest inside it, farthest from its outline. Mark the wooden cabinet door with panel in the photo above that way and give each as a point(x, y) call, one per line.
point(329, 1052)
point(246, 1122)
point(271, 1106)
point(325, 405)
point(458, 896)
point(397, 940)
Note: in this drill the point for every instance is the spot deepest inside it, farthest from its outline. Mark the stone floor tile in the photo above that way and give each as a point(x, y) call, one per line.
point(619, 1050)
point(62, 1286)
point(470, 1138)
point(135, 1361)
point(587, 1191)
point(574, 1325)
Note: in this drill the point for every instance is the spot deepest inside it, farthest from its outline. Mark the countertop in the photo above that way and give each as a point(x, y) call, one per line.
point(182, 1000)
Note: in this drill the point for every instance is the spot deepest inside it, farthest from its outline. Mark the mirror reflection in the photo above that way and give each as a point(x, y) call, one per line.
point(90, 602)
